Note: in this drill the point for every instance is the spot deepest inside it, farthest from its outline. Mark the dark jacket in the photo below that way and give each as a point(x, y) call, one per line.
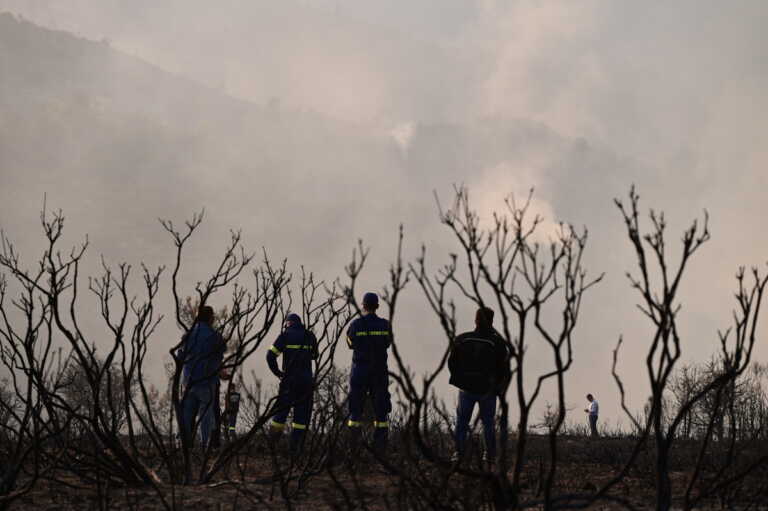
point(369, 337)
point(479, 362)
point(298, 346)
point(202, 352)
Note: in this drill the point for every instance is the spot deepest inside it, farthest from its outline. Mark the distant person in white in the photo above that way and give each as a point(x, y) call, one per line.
point(592, 413)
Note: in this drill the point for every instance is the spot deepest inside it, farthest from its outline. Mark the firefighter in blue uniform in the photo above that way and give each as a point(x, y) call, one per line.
point(369, 337)
point(299, 348)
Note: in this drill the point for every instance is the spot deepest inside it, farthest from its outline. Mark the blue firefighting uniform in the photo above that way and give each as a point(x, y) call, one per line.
point(369, 337)
point(298, 347)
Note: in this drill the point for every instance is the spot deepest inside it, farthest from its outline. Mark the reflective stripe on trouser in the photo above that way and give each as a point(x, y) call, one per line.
point(364, 381)
point(296, 395)
point(232, 409)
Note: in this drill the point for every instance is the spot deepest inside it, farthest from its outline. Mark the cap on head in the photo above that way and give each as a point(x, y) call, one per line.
point(370, 300)
point(293, 318)
point(205, 314)
point(484, 317)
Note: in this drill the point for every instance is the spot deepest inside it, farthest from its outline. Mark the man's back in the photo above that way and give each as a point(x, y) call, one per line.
point(479, 361)
point(298, 347)
point(202, 354)
point(369, 337)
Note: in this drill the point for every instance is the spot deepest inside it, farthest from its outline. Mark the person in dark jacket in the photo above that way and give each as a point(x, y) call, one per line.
point(299, 348)
point(479, 364)
point(369, 337)
point(201, 352)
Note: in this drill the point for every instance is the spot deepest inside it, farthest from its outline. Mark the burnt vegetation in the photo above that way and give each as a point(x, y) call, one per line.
point(82, 426)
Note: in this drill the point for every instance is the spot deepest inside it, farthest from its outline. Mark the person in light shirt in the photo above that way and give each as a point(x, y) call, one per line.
point(592, 412)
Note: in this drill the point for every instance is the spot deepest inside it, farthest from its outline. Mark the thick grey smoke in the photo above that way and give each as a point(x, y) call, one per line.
point(310, 124)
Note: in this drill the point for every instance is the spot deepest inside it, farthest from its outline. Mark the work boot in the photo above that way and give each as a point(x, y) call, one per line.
point(380, 437)
point(380, 451)
point(275, 433)
point(353, 445)
point(296, 442)
point(380, 445)
point(488, 461)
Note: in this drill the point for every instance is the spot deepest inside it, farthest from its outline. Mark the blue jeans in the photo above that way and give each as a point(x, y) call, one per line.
point(593, 425)
point(198, 405)
point(487, 404)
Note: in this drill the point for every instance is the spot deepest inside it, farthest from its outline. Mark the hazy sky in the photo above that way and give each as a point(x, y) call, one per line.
point(352, 112)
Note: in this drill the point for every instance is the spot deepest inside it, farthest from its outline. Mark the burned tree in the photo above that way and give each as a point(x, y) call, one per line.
point(658, 283)
point(505, 267)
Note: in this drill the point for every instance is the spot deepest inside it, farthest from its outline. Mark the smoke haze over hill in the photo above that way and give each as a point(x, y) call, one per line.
point(310, 124)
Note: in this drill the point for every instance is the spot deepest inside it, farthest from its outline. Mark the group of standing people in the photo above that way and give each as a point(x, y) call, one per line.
point(479, 364)
point(369, 337)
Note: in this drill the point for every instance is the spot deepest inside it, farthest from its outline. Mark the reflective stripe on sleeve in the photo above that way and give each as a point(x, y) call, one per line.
point(277, 425)
point(382, 424)
point(354, 424)
point(274, 350)
point(296, 425)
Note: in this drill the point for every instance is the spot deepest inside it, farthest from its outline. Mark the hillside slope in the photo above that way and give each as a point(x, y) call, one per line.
point(77, 116)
